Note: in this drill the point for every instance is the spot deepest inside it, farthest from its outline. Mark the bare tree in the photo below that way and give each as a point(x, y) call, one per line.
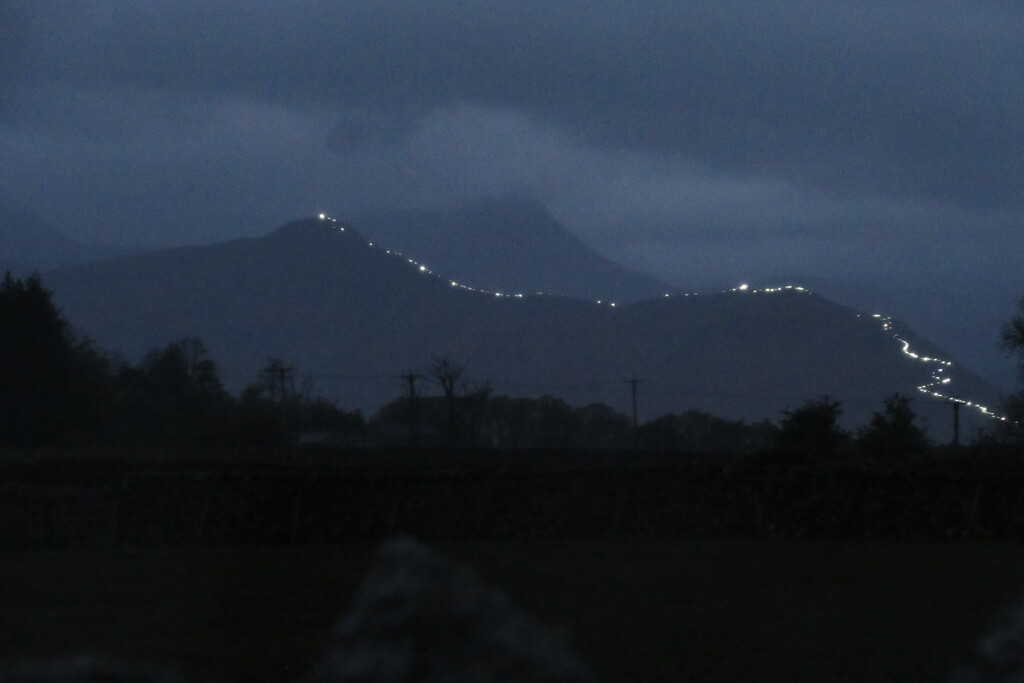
point(1013, 333)
point(1012, 337)
point(201, 370)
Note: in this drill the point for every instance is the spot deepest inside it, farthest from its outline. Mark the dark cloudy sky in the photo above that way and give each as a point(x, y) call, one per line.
point(878, 145)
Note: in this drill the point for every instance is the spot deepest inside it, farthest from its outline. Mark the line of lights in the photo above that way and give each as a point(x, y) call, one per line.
point(768, 290)
point(938, 376)
point(325, 217)
point(423, 268)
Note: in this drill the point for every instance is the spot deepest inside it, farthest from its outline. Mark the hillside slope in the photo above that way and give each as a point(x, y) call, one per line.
point(28, 243)
point(354, 317)
point(509, 246)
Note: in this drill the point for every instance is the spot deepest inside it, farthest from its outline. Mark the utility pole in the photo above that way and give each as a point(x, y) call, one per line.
point(633, 382)
point(277, 378)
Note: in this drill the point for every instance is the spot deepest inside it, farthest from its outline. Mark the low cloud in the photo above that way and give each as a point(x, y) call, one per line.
point(873, 138)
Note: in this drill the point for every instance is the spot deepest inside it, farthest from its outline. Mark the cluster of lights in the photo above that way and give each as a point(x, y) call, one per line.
point(325, 217)
point(939, 377)
point(427, 271)
point(498, 294)
point(767, 290)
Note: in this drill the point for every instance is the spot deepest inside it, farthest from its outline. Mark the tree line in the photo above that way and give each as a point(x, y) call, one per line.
point(58, 389)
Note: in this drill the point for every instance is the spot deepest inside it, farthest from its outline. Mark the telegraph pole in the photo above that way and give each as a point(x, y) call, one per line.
point(277, 378)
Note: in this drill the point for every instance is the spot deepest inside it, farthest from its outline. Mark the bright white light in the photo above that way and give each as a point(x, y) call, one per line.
point(323, 216)
point(937, 378)
point(744, 287)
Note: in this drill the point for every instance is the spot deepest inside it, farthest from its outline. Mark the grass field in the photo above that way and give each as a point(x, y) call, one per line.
point(635, 610)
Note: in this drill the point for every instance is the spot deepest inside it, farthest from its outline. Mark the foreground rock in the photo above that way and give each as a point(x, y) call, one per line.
point(998, 658)
point(419, 617)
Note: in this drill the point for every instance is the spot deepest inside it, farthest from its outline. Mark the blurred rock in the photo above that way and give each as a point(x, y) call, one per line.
point(421, 618)
point(999, 658)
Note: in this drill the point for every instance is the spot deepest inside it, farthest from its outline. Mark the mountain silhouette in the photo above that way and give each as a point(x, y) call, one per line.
point(29, 243)
point(354, 317)
point(509, 245)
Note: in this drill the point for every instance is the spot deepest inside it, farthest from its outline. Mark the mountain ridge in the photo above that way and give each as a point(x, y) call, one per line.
point(509, 245)
point(29, 243)
point(356, 316)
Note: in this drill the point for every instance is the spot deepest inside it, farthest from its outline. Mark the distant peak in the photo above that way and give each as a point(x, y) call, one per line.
point(318, 225)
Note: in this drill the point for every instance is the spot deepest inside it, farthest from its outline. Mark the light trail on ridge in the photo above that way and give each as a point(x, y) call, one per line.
point(938, 376)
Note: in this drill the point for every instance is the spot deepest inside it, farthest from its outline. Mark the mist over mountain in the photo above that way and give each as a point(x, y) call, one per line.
point(508, 245)
point(353, 317)
point(28, 243)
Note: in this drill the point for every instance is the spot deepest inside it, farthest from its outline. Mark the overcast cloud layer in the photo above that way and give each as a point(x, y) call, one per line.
point(877, 144)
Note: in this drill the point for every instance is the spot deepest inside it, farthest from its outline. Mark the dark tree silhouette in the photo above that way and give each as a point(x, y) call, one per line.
point(892, 432)
point(175, 397)
point(201, 370)
point(812, 429)
point(556, 423)
point(506, 422)
point(1013, 333)
point(601, 427)
point(53, 387)
point(696, 431)
point(1012, 337)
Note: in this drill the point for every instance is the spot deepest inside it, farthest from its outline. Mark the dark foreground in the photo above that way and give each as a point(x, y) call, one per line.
point(341, 497)
point(634, 610)
point(653, 569)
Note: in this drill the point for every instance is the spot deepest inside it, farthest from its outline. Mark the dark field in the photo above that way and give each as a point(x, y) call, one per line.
point(640, 610)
